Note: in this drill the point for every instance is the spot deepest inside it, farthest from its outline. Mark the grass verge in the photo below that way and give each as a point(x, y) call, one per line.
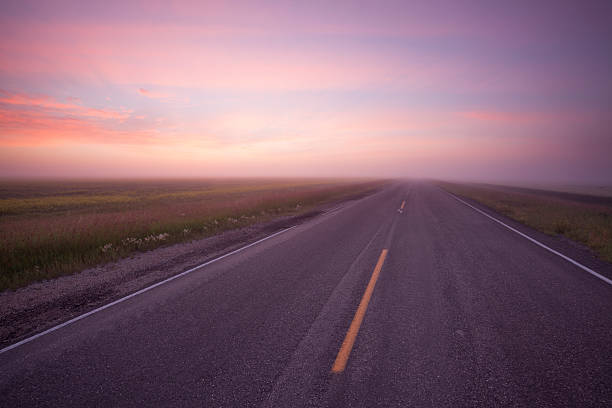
point(587, 223)
point(52, 229)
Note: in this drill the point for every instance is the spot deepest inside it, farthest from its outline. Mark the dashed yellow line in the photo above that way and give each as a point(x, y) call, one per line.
point(351, 335)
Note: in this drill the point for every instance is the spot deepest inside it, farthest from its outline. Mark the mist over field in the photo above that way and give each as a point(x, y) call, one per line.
point(488, 91)
point(123, 122)
point(316, 203)
point(49, 229)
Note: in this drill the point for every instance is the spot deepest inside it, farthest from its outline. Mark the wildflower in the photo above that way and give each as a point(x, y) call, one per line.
point(131, 241)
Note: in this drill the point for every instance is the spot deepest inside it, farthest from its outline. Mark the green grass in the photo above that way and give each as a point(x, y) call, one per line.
point(586, 223)
point(107, 198)
point(52, 229)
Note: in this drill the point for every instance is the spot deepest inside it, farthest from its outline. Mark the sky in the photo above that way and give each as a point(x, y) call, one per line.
point(478, 90)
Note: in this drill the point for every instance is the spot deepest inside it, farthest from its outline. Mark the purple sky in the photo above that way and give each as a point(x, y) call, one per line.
point(479, 90)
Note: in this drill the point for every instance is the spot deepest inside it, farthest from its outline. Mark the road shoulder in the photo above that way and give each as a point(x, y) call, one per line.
point(574, 250)
point(41, 305)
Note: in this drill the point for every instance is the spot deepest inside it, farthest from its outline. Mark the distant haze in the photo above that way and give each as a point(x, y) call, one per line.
point(460, 89)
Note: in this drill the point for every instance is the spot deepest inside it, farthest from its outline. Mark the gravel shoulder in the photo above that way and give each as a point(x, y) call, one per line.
point(39, 306)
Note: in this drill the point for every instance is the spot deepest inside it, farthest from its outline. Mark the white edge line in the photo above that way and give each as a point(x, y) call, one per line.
point(334, 209)
point(567, 258)
point(148, 288)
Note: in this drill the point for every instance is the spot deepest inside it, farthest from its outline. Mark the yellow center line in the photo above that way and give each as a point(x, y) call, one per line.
point(351, 335)
point(403, 204)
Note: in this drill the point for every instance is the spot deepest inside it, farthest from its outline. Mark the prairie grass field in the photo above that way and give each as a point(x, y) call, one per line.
point(52, 228)
point(584, 218)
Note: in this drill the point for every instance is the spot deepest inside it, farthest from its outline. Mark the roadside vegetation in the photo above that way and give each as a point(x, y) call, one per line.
point(584, 219)
point(48, 229)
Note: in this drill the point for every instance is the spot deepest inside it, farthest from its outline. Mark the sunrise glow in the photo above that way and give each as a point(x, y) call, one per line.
point(394, 89)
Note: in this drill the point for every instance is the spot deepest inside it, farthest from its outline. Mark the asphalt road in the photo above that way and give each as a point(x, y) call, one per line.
point(463, 313)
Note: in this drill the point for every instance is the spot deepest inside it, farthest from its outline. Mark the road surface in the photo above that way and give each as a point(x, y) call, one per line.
point(429, 305)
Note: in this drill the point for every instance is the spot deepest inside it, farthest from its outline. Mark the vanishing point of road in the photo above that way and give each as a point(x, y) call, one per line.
point(407, 297)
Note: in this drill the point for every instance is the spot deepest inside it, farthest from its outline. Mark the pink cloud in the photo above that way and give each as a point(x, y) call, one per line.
point(41, 119)
point(193, 57)
point(542, 117)
point(30, 128)
point(500, 116)
point(23, 101)
point(152, 94)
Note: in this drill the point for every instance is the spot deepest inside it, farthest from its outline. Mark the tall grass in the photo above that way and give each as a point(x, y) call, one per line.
point(589, 224)
point(48, 236)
